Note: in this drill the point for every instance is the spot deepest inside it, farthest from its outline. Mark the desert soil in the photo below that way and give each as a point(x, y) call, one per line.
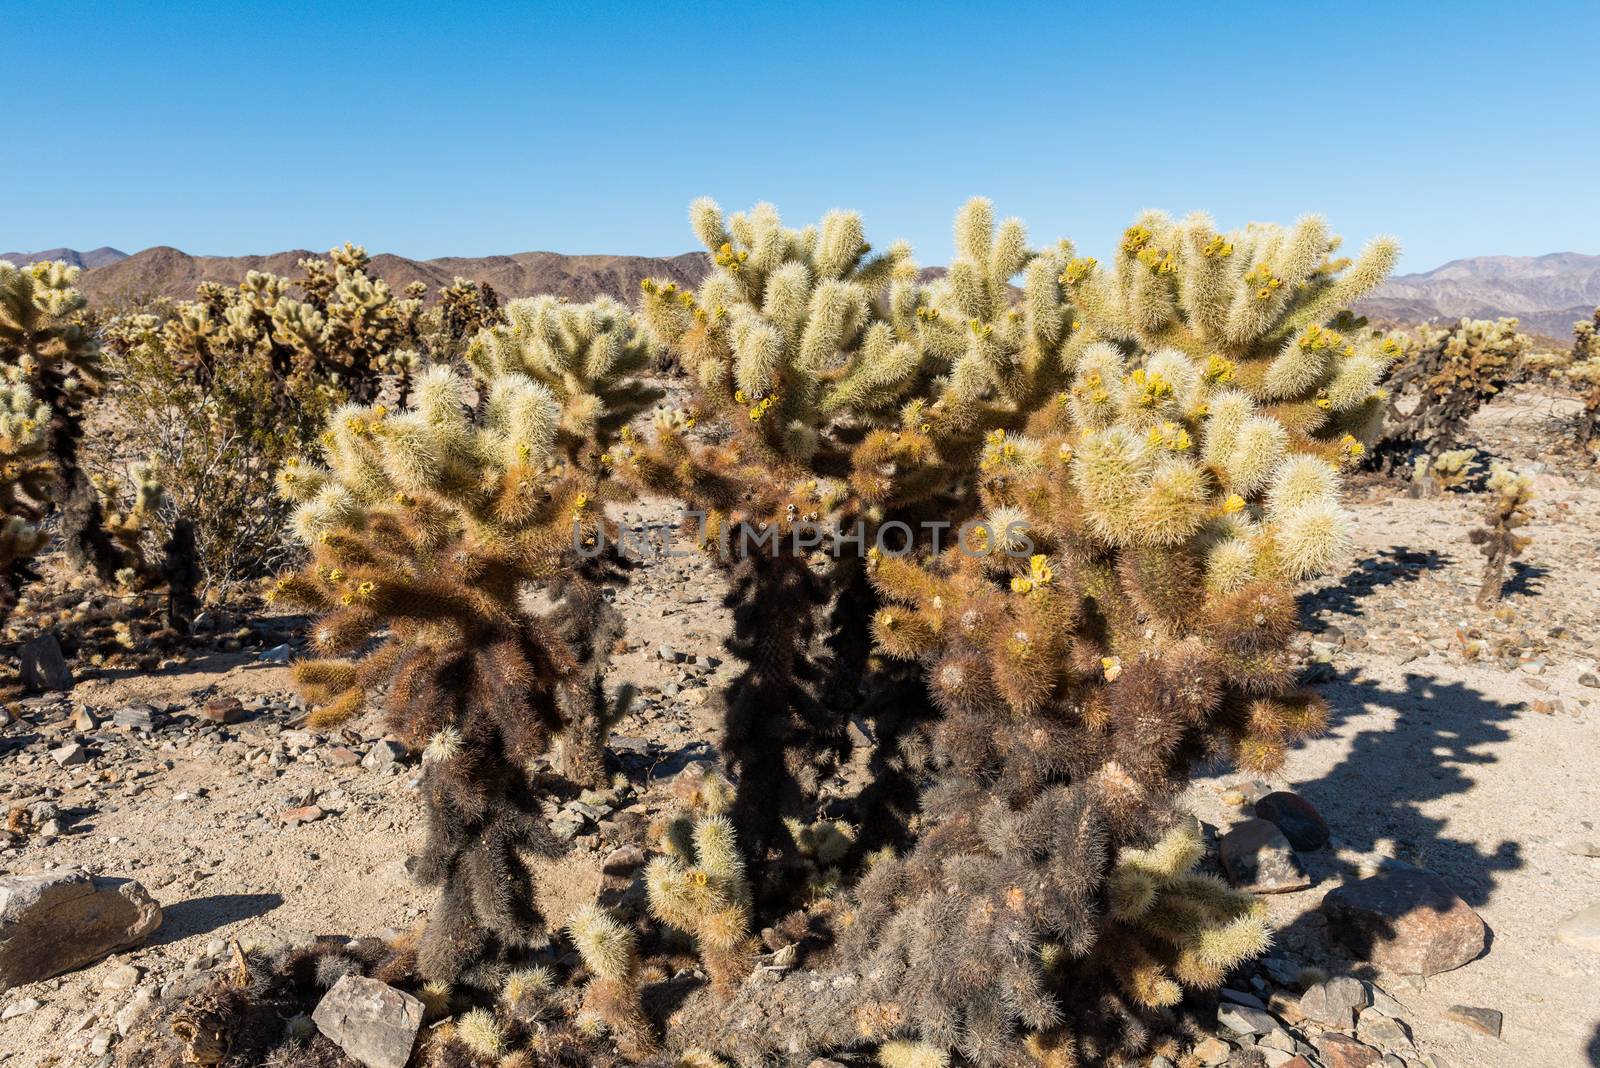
point(1461, 740)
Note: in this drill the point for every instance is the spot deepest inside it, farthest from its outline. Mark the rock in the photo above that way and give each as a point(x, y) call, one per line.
point(134, 1010)
point(341, 757)
point(384, 755)
point(1589, 678)
point(19, 1008)
point(43, 666)
point(1342, 1051)
point(84, 720)
point(1239, 997)
point(134, 718)
point(69, 754)
point(278, 654)
point(64, 919)
point(1581, 929)
point(1258, 858)
point(371, 1021)
point(303, 814)
point(1296, 817)
point(1407, 920)
point(1335, 1002)
point(1486, 1021)
point(1244, 1020)
point(1212, 1051)
point(223, 710)
point(1384, 1032)
point(125, 977)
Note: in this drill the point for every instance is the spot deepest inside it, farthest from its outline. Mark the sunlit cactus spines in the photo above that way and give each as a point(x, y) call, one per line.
point(1500, 538)
point(424, 525)
point(50, 362)
point(1260, 309)
point(699, 886)
point(812, 392)
point(588, 355)
point(610, 952)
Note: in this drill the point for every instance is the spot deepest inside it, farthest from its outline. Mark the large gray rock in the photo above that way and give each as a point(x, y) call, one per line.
point(43, 666)
point(1258, 858)
point(65, 919)
point(371, 1021)
point(1406, 920)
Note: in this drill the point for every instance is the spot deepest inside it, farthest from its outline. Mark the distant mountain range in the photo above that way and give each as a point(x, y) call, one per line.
point(1547, 293)
point(110, 276)
point(100, 257)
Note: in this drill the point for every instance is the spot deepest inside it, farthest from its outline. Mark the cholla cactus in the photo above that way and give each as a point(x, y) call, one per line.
point(1498, 538)
point(1446, 375)
point(699, 886)
point(50, 363)
point(424, 525)
point(1161, 467)
point(610, 952)
point(587, 356)
point(27, 478)
point(1260, 310)
point(1446, 471)
point(465, 307)
point(803, 349)
point(1583, 373)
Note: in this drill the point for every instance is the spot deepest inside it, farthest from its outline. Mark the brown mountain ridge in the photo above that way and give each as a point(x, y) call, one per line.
point(168, 272)
point(1547, 293)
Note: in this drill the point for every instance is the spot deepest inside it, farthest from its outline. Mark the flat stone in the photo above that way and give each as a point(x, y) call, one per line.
point(1484, 1021)
point(1244, 1020)
point(43, 666)
point(223, 710)
point(1407, 920)
point(125, 977)
point(1581, 929)
point(372, 1022)
point(1212, 1051)
point(62, 920)
point(1385, 1032)
point(134, 718)
point(1342, 1051)
point(341, 757)
point(303, 814)
point(1296, 817)
point(19, 1008)
point(1258, 858)
point(1335, 1002)
point(1240, 997)
point(69, 754)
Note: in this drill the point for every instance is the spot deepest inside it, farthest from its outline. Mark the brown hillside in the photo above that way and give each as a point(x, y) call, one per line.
point(169, 272)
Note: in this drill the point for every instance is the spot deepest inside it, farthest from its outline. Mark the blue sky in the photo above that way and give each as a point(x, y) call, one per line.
point(467, 129)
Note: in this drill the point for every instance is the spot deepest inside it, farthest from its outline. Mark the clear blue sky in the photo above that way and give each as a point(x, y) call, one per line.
point(465, 129)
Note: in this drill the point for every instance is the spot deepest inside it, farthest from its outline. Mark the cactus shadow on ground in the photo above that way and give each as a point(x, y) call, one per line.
point(1344, 595)
point(198, 915)
point(1441, 731)
point(1525, 580)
